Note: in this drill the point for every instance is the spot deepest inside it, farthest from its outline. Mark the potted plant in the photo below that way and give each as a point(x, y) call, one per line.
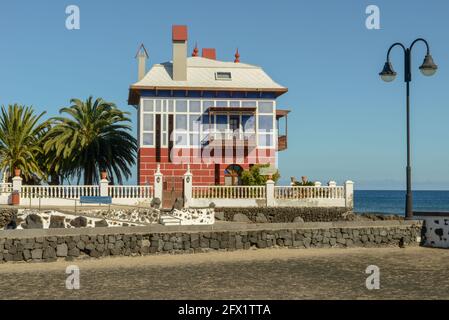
point(17, 172)
point(104, 175)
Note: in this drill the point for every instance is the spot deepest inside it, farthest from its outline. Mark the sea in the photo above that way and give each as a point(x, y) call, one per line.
point(393, 201)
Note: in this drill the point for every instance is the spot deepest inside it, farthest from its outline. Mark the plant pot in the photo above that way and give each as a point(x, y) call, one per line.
point(17, 172)
point(104, 175)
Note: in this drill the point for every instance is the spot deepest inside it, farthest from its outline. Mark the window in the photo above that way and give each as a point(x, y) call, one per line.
point(207, 105)
point(158, 105)
point(147, 122)
point(181, 106)
point(248, 123)
point(223, 76)
point(222, 103)
point(249, 103)
point(148, 139)
point(265, 140)
point(222, 123)
point(148, 105)
point(266, 107)
point(195, 106)
point(234, 104)
point(266, 123)
point(194, 122)
point(181, 122)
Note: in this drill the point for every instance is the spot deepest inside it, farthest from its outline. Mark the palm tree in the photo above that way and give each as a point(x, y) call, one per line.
point(21, 141)
point(94, 137)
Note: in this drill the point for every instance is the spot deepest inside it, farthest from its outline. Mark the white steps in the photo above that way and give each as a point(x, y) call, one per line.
point(167, 220)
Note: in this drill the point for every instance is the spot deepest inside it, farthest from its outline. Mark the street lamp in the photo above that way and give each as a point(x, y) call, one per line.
point(428, 68)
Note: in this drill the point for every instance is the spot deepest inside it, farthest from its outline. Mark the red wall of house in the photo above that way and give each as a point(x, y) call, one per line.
point(203, 173)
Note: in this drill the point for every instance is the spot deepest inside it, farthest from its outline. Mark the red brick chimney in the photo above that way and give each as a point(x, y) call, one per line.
point(209, 53)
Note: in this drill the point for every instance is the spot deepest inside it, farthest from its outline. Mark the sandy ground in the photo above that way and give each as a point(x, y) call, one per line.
point(411, 273)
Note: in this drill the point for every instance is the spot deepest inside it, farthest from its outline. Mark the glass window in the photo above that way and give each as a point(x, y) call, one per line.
point(148, 139)
point(222, 122)
point(265, 140)
point(205, 121)
point(266, 123)
point(207, 105)
point(148, 105)
point(248, 123)
point(164, 106)
point(164, 122)
point(158, 107)
point(147, 122)
point(194, 122)
point(170, 106)
point(195, 139)
point(222, 103)
point(181, 106)
point(181, 139)
point(234, 103)
point(195, 106)
point(181, 122)
point(249, 103)
point(265, 107)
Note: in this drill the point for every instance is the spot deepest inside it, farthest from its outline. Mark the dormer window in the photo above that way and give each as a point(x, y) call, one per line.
point(223, 76)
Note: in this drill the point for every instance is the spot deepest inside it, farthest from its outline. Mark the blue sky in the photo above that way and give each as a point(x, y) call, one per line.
point(345, 122)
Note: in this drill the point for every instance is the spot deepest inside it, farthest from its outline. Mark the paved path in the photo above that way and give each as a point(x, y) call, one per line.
point(255, 274)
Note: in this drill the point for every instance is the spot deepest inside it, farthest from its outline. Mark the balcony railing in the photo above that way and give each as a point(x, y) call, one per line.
point(232, 138)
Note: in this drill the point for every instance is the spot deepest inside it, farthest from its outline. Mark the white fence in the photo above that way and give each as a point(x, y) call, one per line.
point(5, 188)
point(130, 192)
point(59, 192)
point(291, 193)
point(229, 192)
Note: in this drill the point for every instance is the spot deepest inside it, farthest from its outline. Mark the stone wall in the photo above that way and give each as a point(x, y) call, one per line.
point(287, 214)
point(49, 245)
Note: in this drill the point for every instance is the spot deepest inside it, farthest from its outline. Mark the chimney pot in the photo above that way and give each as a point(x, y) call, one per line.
point(209, 53)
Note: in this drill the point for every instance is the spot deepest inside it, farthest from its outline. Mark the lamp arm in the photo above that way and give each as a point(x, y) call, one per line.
point(395, 45)
point(421, 40)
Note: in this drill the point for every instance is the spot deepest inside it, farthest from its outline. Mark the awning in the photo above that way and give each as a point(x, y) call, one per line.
point(281, 113)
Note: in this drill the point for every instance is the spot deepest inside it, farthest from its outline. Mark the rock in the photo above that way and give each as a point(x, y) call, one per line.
point(239, 217)
point(79, 222)
point(33, 221)
point(57, 222)
point(298, 220)
point(101, 224)
point(179, 204)
point(212, 205)
point(6, 216)
point(261, 218)
point(62, 250)
point(220, 216)
point(36, 254)
point(156, 203)
point(49, 253)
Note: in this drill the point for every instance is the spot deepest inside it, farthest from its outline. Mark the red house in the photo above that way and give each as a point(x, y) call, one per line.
point(218, 117)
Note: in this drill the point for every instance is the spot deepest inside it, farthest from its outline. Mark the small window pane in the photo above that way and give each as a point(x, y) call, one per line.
point(248, 123)
point(194, 122)
point(181, 122)
point(249, 103)
point(148, 139)
point(181, 106)
point(195, 139)
point(164, 122)
point(147, 122)
point(265, 107)
point(222, 122)
point(222, 103)
point(207, 105)
point(148, 105)
point(266, 123)
point(234, 103)
point(158, 106)
point(195, 106)
point(265, 140)
point(205, 121)
point(181, 139)
point(164, 106)
point(170, 105)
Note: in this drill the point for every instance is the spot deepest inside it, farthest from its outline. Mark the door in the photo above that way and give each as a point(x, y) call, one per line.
point(173, 188)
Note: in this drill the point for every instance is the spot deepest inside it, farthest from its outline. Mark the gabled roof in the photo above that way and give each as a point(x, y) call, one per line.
point(201, 73)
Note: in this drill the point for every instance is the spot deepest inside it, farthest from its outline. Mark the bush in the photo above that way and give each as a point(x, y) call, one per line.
point(252, 177)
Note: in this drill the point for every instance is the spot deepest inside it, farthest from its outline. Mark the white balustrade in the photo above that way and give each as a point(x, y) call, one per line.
point(59, 192)
point(131, 192)
point(304, 192)
point(229, 192)
point(5, 188)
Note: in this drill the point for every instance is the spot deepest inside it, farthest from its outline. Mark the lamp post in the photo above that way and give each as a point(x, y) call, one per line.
point(428, 68)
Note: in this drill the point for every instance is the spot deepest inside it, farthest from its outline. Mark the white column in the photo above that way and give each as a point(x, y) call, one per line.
point(188, 177)
point(271, 201)
point(158, 183)
point(16, 189)
point(104, 186)
point(349, 194)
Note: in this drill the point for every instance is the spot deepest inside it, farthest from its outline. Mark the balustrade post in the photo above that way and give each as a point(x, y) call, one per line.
point(158, 183)
point(349, 194)
point(269, 194)
point(16, 190)
point(104, 186)
point(188, 177)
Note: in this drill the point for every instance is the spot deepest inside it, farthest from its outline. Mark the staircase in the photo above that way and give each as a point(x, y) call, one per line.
point(168, 220)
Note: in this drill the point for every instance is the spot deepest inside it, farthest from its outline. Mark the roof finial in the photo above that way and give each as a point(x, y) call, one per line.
point(237, 56)
point(195, 51)
point(142, 52)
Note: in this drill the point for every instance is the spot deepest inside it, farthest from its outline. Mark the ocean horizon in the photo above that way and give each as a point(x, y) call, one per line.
point(393, 201)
